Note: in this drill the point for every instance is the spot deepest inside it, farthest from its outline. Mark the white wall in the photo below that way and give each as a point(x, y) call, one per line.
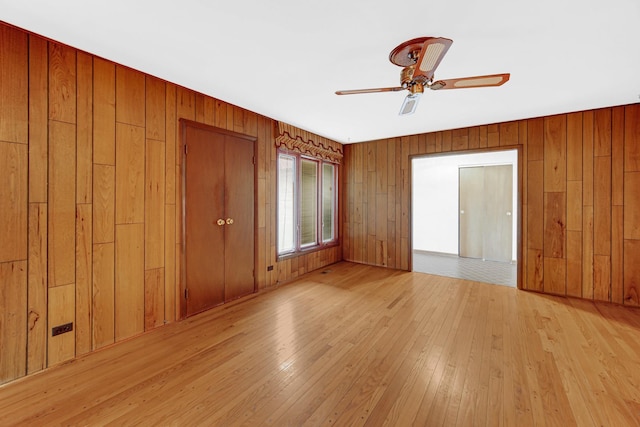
point(435, 197)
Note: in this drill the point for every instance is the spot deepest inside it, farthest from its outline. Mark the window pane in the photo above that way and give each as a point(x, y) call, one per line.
point(286, 203)
point(328, 205)
point(308, 202)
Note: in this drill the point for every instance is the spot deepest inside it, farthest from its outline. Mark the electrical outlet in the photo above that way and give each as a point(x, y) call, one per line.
point(61, 329)
point(270, 268)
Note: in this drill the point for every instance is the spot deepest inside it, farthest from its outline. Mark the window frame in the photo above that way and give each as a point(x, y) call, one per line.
point(319, 244)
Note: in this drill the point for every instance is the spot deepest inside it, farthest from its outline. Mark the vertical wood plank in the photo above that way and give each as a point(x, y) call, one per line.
point(84, 278)
point(130, 96)
point(555, 276)
point(602, 205)
point(130, 171)
point(574, 263)
point(84, 132)
point(508, 133)
point(13, 201)
point(535, 139)
point(37, 289)
point(104, 112)
point(153, 298)
point(62, 83)
point(535, 205)
point(170, 284)
point(554, 225)
point(14, 78)
point(170, 143)
point(61, 311)
point(601, 277)
point(104, 185)
point(62, 203)
point(574, 147)
point(535, 270)
point(129, 280)
point(617, 157)
point(155, 108)
point(602, 132)
point(632, 138)
point(38, 118)
point(587, 252)
point(617, 255)
point(13, 333)
point(555, 153)
point(632, 272)
point(631, 205)
point(154, 204)
point(103, 312)
point(587, 158)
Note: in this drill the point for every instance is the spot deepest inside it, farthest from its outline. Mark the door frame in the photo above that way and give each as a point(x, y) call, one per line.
point(182, 186)
point(519, 247)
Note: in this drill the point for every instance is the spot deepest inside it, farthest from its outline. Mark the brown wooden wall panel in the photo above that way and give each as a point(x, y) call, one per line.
point(14, 77)
point(154, 209)
point(578, 202)
point(61, 310)
point(38, 118)
point(104, 112)
point(130, 96)
point(62, 203)
point(62, 83)
point(13, 334)
point(104, 149)
point(84, 278)
point(130, 171)
point(103, 312)
point(13, 201)
point(37, 289)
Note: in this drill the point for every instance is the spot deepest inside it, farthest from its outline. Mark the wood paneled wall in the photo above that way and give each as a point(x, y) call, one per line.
point(90, 200)
point(580, 194)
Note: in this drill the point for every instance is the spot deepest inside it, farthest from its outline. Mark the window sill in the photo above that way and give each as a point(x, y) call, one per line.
point(308, 251)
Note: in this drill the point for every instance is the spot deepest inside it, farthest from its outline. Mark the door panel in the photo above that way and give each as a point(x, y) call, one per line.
point(471, 211)
point(498, 181)
point(239, 201)
point(204, 239)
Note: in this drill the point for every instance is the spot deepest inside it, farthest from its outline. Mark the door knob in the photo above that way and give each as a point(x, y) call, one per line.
point(220, 221)
point(508, 213)
point(229, 221)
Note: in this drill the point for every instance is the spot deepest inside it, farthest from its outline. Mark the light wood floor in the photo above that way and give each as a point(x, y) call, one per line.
point(358, 345)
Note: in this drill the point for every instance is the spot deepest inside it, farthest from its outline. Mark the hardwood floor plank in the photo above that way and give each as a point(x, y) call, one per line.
point(357, 345)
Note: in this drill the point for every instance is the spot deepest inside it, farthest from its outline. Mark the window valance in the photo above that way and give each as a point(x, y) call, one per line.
point(294, 139)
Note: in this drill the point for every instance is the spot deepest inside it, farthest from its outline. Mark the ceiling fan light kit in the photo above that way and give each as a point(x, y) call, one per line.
point(419, 59)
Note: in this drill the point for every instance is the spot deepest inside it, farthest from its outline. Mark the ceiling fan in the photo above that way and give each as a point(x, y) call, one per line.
point(419, 59)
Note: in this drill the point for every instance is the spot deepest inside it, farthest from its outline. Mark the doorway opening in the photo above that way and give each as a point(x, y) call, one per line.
point(466, 215)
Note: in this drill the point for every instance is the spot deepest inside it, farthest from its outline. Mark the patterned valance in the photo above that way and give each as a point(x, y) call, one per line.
point(294, 139)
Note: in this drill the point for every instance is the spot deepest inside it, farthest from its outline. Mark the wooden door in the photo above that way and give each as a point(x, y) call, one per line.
point(471, 211)
point(219, 217)
point(239, 209)
point(204, 205)
point(498, 220)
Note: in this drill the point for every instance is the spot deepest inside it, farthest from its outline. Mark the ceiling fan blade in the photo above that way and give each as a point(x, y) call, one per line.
point(375, 90)
point(432, 52)
point(468, 82)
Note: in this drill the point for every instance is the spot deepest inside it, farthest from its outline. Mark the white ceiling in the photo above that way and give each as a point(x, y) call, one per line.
point(286, 58)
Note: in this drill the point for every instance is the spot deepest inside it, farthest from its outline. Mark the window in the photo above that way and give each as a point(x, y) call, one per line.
point(306, 203)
